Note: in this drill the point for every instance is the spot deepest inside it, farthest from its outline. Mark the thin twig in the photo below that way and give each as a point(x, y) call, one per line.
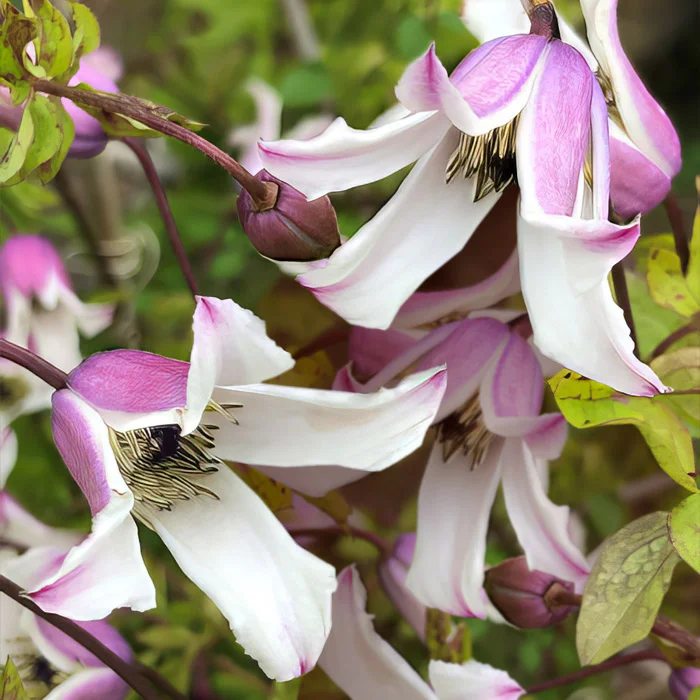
point(680, 239)
point(149, 169)
point(677, 335)
point(623, 299)
point(264, 193)
point(122, 668)
point(618, 661)
point(36, 365)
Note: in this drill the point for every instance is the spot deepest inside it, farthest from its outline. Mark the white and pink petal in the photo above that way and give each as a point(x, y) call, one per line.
point(472, 681)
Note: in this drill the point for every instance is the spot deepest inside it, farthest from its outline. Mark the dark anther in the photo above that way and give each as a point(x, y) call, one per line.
point(42, 671)
point(167, 438)
point(544, 22)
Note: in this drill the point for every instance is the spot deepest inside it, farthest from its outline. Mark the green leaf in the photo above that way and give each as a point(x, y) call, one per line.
point(306, 86)
point(680, 369)
point(47, 135)
point(11, 687)
point(668, 286)
point(16, 31)
point(13, 159)
point(625, 588)
point(412, 37)
point(693, 274)
point(54, 43)
point(86, 37)
point(695, 694)
point(587, 404)
point(684, 529)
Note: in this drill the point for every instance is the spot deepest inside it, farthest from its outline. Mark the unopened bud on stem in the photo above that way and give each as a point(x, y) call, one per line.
point(524, 597)
point(289, 227)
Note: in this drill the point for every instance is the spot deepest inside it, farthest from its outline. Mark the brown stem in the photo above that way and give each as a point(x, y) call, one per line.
point(261, 192)
point(623, 299)
point(663, 627)
point(384, 547)
point(35, 364)
point(594, 670)
point(677, 335)
point(122, 668)
point(166, 213)
point(680, 239)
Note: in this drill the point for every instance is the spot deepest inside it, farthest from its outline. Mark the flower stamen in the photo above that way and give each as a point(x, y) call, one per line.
point(465, 430)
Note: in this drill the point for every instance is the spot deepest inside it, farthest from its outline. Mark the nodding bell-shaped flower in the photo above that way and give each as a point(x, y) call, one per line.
point(683, 681)
point(52, 665)
point(645, 150)
point(525, 108)
point(99, 69)
point(520, 594)
point(293, 229)
point(149, 437)
point(366, 667)
point(44, 314)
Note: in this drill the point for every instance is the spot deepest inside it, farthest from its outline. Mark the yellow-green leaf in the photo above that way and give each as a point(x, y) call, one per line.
point(332, 504)
point(693, 275)
point(11, 687)
point(586, 404)
point(668, 286)
point(54, 43)
point(14, 156)
point(16, 31)
point(694, 694)
point(276, 496)
point(86, 37)
point(684, 530)
point(680, 369)
point(625, 588)
point(64, 124)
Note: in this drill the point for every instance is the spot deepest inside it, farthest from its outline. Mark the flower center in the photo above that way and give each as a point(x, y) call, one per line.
point(490, 157)
point(465, 430)
point(12, 391)
point(607, 88)
point(161, 466)
point(39, 676)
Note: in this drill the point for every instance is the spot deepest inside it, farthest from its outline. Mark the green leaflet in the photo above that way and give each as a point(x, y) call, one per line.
point(680, 369)
point(86, 37)
point(667, 285)
point(54, 43)
point(693, 276)
point(684, 530)
point(11, 687)
point(13, 158)
point(445, 640)
point(586, 404)
point(625, 588)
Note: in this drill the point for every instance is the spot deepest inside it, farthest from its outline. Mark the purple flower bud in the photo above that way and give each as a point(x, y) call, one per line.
point(683, 681)
point(520, 594)
point(294, 228)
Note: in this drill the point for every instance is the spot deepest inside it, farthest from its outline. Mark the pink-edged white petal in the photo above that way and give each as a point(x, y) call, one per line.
point(310, 127)
point(91, 319)
point(574, 318)
point(547, 439)
point(429, 307)
point(275, 595)
point(343, 157)
point(481, 94)
point(54, 336)
point(357, 659)
point(371, 349)
point(8, 453)
point(472, 681)
point(89, 684)
point(645, 121)
point(290, 426)
point(230, 347)
point(393, 572)
point(425, 224)
point(541, 526)
point(314, 481)
point(454, 505)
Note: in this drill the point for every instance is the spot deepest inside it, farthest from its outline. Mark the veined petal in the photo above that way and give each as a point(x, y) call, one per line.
point(553, 134)
point(230, 347)
point(8, 453)
point(429, 307)
point(579, 325)
point(454, 505)
point(290, 426)
point(481, 94)
point(131, 388)
point(102, 683)
point(425, 224)
point(472, 681)
point(343, 157)
point(540, 525)
point(275, 595)
point(644, 120)
point(637, 184)
point(357, 659)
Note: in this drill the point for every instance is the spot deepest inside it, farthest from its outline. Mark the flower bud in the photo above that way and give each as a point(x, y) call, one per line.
point(294, 228)
point(683, 681)
point(543, 19)
point(520, 594)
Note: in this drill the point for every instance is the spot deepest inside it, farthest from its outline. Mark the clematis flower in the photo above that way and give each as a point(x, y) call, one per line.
point(366, 667)
point(525, 107)
point(683, 681)
point(645, 151)
point(44, 314)
point(51, 664)
point(99, 69)
point(490, 432)
point(148, 437)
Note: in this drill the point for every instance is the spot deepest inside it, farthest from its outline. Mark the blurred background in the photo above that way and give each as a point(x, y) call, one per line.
point(323, 57)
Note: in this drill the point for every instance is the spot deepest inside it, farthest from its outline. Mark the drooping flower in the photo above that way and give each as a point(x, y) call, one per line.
point(490, 431)
point(150, 436)
point(366, 667)
point(645, 151)
point(51, 664)
point(683, 681)
point(44, 314)
point(526, 108)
